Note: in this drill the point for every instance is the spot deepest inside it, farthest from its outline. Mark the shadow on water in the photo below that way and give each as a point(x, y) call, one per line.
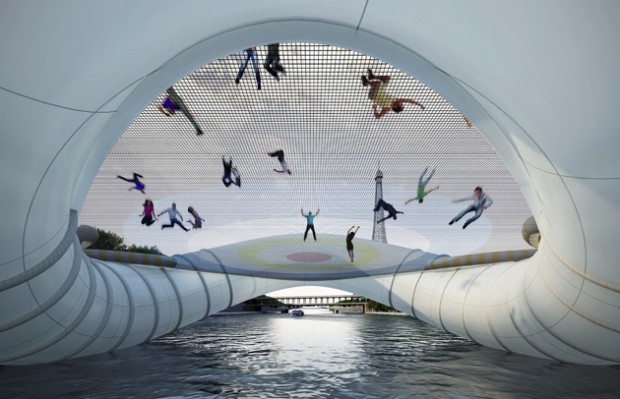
point(317, 356)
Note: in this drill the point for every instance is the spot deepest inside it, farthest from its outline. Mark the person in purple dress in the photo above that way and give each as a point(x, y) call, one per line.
point(138, 185)
point(172, 103)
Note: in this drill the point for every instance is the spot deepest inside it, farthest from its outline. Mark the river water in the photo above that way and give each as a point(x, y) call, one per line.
point(315, 356)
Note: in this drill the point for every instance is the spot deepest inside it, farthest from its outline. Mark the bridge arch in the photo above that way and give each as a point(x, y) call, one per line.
point(71, 89)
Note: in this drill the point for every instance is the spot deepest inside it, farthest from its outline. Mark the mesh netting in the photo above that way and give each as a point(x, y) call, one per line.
point(319, 114)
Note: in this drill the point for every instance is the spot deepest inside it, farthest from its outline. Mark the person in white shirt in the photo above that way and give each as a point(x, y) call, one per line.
point(481, 201)
point(172, 214)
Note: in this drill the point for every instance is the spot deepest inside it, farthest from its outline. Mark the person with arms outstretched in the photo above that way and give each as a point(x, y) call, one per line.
point(148, 213)
point(272, 62)
point(309, 222)
point(250, 54)
point(392, 212)
point(172, 103)
point(350, 235)
point(381, 98)
point(280, 155)
point(172, 214)
point(422, 187)
point(228, 170)
point(481, 201)
point(197, 223)
point(138, 185)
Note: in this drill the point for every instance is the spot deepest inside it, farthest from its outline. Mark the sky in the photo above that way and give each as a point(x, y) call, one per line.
point(320, 115)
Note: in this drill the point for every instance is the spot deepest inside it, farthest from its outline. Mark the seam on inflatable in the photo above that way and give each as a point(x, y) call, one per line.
point(530, 343)
point(49, 302)
point(49, 261)
point(362, 16)
point(104, 320)
point(548, 330)
point(415, 288)
point(579, 289)
point(230, 290)
point(60, 229)
point(572, 309)
point(395, 273)
point(465, 301)
point(52, 104)
point(204, 283)
point(580, 273)
point(488, 314)
point(155, 304)
point(68, 329)
point(443, 292)
point(179, 299)
point(132, 306)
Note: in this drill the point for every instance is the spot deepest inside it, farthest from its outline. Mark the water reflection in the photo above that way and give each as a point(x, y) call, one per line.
point(316, 356)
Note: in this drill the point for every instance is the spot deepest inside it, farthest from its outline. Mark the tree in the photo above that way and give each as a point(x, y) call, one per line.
point(113, 242)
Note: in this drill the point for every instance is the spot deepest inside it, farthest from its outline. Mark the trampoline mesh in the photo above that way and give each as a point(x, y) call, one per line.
point(320, 115)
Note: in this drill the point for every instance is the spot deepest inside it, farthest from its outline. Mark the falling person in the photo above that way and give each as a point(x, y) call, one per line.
point(172, 214)
point(148, 213)
point(272, 62)
point(481, 201)
point(381, 98)
point(422, 187)
point(280, 155)
point(197, 223)
point(388, 208)
point(172, 103)
point(138, 185)
point(228, 170)
point(250, 54)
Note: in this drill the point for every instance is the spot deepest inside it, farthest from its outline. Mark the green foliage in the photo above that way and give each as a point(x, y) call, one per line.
point(113, 242)
point(372, 306)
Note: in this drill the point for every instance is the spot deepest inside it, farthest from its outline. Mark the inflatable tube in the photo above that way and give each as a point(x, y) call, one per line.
point(538, 79)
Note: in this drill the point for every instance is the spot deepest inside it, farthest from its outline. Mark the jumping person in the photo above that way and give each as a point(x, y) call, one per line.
point(228, 170)
point(172, 103)
point(481, 201)
point(172, 214)
point(381, 98)
point(250, 53)
point(387, 207)
point(350, 235)
point(148, 213)
point(280, 155)
point(310, 223)
point(197, 223)
point(422, 187)
point(138, 185)
point(272, 62)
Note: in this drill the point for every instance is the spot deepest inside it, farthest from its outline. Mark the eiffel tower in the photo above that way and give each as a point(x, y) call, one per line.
point(378, 229)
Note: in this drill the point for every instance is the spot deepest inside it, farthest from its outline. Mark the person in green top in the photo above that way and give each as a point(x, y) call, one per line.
point(422, 187)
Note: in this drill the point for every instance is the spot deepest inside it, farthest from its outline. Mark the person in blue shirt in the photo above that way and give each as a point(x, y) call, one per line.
point(309, 222)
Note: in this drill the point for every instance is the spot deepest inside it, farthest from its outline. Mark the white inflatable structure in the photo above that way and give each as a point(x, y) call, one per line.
point(538, 79)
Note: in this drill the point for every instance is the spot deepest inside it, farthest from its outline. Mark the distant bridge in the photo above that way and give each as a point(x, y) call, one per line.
point(322, 300)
